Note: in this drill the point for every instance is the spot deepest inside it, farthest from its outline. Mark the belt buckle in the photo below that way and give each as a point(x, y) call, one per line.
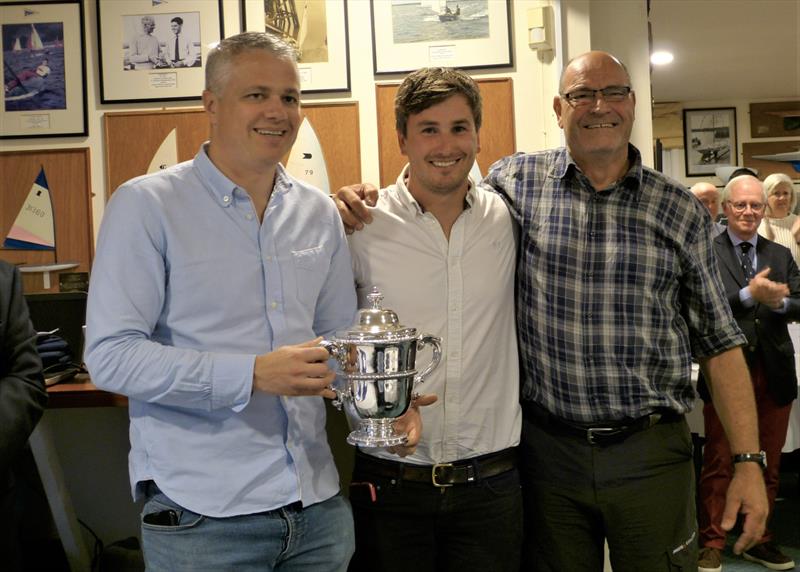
point(434, 474)
point(592, 434)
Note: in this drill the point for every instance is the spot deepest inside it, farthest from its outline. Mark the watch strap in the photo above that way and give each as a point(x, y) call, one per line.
point(760, 458)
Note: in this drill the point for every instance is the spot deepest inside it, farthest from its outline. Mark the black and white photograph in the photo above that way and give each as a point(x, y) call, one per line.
point(155, 41)
point(155, 51)
point(43, 69)
point(709, 139)
point(318, 31)
point(467, 34)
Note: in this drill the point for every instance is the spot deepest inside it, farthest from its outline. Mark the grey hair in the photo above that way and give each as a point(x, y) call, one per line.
point(221, 55)
point(772, 182)
point(726, 192)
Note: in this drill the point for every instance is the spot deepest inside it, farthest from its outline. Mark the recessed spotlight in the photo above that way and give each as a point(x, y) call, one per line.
point(661, 58)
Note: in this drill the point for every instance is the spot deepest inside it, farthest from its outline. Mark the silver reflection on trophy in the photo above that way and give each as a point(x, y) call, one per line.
point(377, 360)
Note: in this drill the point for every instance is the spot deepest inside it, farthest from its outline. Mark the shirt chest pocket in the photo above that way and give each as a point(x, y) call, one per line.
point(310, 269)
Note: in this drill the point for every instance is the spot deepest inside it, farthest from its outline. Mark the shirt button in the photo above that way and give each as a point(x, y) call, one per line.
point(268, 259)
point(752, 348)
point(757, 321)
point(273, 305)
point(589, 274)
point(226, 199)
point(248, 216)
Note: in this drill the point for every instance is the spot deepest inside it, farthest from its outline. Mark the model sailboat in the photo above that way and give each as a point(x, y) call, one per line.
point(34, 228)
point(306, 161)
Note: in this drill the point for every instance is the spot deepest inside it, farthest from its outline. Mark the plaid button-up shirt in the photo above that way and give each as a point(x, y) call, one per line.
point(616, 289)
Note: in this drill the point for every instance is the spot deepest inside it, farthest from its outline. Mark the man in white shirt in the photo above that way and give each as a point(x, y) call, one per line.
point(181, 52)
point(442, 251)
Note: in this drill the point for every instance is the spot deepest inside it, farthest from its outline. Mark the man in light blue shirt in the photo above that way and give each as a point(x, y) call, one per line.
point(212, 282)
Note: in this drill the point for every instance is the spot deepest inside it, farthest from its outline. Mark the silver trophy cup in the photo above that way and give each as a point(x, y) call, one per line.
point(377, 360)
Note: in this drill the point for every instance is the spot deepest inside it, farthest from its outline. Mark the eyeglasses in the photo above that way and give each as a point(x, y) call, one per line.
point(611, 94)
point(742, 206)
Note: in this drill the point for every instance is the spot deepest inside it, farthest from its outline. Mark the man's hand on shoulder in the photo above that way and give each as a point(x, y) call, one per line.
point(300, 369)
point(352, 202)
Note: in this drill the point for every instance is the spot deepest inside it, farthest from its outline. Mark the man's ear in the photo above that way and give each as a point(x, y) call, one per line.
point(210, 105)
point(401, 142)
point(557, 103)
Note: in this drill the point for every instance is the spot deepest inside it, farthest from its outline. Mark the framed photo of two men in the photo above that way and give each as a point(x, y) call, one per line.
point(154, 50)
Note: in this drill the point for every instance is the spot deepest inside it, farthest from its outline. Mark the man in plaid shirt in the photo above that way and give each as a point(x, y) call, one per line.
point(617, 290)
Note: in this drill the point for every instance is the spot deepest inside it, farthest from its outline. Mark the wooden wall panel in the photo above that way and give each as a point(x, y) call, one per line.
point(497, 133)
point(132, 138)
point(67, 172)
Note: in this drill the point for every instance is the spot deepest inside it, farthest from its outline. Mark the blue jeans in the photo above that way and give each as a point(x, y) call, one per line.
point(318, 537)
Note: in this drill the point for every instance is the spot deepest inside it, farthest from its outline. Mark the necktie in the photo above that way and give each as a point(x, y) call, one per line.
point(744, 258)
point(176, 57)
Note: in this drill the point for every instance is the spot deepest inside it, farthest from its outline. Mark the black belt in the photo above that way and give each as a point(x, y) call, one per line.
point(600, 434)
point(467, 471)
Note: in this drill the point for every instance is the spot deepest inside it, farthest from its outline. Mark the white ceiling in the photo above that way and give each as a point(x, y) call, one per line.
point(726, 49)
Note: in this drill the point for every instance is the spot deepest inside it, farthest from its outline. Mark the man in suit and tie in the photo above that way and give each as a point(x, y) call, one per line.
point(181, 52)
point(762, 283)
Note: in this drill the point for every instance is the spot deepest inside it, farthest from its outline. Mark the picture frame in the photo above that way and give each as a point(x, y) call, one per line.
point(709, 138)
point(155, 51)
point(320, 34)
point(462, 34)
point(44, 63)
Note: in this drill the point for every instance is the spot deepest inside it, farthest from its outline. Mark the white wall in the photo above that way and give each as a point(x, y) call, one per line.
point(534, 75)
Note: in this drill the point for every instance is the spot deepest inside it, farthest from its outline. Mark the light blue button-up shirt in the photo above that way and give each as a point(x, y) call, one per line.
point(187, 288)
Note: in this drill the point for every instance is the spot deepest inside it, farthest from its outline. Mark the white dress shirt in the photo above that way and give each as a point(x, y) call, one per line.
point(463, 291)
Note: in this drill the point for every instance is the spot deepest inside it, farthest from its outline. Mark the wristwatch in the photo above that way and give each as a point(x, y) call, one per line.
point(760, 458)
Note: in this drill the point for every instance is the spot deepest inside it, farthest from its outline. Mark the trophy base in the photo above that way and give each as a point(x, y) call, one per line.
point(376, 433)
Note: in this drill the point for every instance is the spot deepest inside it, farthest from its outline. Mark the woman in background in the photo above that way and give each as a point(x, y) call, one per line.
point(779, 224)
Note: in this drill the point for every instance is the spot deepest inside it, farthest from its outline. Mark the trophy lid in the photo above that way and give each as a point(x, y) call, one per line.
point(377, 323)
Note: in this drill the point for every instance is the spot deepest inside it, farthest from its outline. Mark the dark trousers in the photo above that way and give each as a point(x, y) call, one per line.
point(417, 526)
point(773, 421)
point(637, 494)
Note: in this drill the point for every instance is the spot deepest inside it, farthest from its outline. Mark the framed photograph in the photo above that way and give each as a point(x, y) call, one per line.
point(407, 35)
point(317, 28)
point(44, 66)
point(155, 51)
point(709, 138)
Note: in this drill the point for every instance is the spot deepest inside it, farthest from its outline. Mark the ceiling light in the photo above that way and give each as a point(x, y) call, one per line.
point(661, 58)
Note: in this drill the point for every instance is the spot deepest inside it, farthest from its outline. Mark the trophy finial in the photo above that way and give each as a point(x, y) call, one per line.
point(375, 298)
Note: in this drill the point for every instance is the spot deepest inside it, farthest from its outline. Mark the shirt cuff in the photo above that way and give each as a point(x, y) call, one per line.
point(783, 309)
point(746, 298)
point(233, 381)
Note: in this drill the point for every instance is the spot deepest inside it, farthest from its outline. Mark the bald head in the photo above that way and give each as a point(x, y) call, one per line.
point(588, 61)
point(707, 194)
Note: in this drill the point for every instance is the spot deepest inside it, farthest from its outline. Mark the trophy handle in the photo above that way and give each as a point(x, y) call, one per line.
point(436, 342)
point(337, 351)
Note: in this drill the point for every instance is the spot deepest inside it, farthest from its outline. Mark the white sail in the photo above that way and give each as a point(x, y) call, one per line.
point(33, 229)
point(303, 31)
point(167, 153)
point(17, 46)
point(306, 161)
point(35, 41)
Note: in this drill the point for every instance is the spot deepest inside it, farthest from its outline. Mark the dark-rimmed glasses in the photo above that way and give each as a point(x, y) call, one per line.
point(611, 94)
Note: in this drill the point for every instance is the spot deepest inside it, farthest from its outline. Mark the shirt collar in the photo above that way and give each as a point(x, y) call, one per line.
point(409, 202)
point(222, 188)
point(737, 241)
point(565, 166)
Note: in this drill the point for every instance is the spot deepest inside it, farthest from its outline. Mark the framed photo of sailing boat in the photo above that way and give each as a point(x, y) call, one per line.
point(410, 34)
point(153, 50)
point(44, 66)
point(709, 137)
point(316, 28)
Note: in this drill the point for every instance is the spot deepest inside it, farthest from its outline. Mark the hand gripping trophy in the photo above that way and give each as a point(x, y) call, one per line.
point(377, 359)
